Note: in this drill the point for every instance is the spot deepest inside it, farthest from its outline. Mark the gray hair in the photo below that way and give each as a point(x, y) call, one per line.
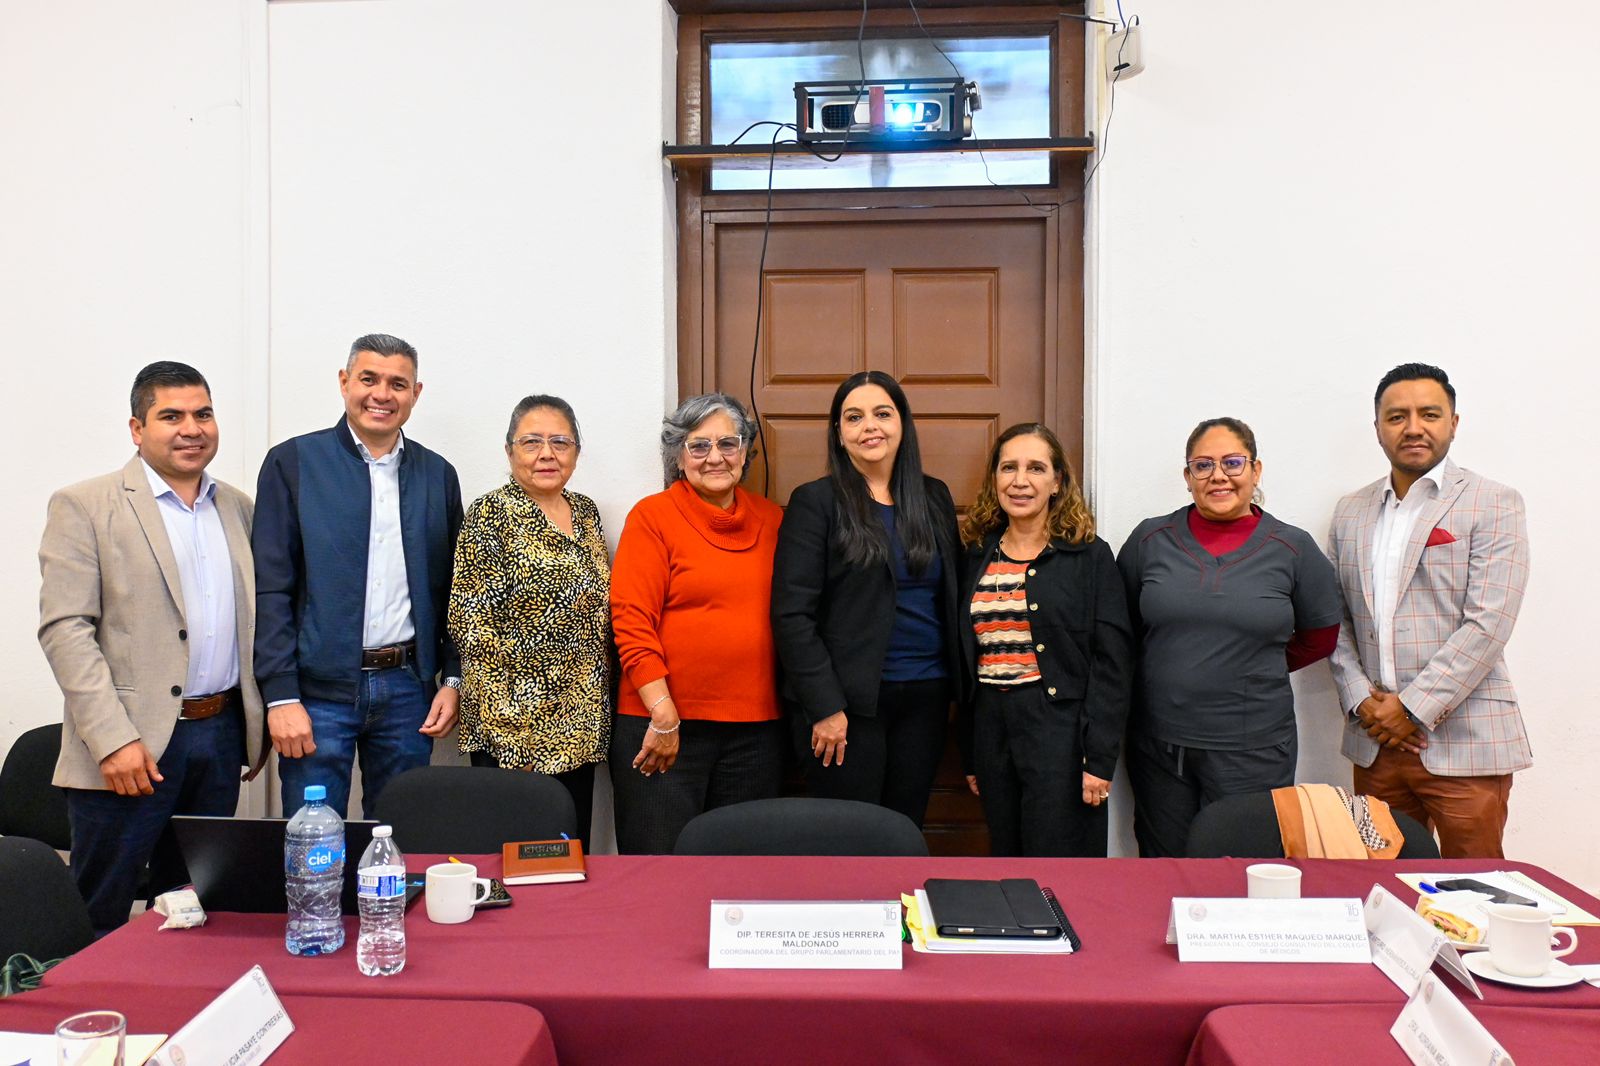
point(381, 344)
point(677, 426)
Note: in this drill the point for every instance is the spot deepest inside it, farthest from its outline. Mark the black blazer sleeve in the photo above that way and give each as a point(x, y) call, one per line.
point(1110, 667)
point(799, 580)
point(449, 654)
point(275, 546)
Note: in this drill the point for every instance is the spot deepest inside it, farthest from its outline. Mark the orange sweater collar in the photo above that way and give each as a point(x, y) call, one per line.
point(735, 529)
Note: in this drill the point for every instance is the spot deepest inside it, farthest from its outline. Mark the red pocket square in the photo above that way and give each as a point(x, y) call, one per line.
point(1440, 535)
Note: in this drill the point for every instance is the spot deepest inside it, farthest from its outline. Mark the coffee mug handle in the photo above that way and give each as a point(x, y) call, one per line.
point(1572, 939)
point(483, 883)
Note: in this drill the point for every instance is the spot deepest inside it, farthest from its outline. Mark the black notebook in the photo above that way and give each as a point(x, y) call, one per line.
point(1012, 908)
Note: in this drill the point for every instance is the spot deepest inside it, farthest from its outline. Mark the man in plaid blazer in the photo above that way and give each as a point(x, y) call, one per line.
point(1433, 560)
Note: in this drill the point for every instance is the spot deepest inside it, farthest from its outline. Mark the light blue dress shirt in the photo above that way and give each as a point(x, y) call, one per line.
point(205, 574)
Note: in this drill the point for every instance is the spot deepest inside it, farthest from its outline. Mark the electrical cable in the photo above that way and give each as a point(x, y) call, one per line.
point(766, 233)
point(962, 78)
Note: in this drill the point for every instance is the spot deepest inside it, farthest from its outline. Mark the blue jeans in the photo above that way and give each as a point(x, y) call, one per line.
point(381, 726)
point(114, 837)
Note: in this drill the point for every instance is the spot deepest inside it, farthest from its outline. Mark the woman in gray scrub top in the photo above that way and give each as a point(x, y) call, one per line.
point(1226, 601)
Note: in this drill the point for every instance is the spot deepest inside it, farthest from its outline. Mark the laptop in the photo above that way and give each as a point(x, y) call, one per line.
point(236, 864)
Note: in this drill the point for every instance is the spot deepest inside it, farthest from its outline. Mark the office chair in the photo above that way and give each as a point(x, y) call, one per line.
point(474, 809)
point(41, 912)
point(798, 825)
point(1246, 827)
point(30, 806)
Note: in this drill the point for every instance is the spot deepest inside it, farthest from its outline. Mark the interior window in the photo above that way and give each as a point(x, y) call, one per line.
point(753, 81)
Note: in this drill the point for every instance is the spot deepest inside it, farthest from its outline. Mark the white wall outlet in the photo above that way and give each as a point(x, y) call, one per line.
point(1124, 54)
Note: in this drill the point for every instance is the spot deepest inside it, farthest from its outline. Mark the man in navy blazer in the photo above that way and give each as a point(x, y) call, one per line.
point(354, 544)
point(1433, 560)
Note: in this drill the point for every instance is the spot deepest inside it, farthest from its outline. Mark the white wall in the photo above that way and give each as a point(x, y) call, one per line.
point(483, 178)
point(1297, 197)
point(123, 236)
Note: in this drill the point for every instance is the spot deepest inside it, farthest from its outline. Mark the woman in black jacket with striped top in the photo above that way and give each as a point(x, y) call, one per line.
point(1047, 654)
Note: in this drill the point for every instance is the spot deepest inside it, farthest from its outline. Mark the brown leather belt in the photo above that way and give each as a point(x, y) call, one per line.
point(388, 658)
point(199, 708)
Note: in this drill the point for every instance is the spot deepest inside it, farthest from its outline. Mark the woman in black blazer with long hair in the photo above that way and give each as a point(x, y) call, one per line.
point(864, 606)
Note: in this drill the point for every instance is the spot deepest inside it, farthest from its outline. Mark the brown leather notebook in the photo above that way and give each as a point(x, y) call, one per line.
point(539, 862)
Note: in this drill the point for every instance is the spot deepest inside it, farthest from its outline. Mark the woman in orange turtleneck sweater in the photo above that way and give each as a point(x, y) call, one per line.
point(691, 590)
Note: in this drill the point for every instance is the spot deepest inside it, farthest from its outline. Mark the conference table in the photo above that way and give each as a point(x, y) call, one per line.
point(327, 1031)
point(1341, 1034)
point(617, 965)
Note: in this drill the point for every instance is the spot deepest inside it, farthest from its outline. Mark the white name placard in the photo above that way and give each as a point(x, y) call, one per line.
point(1435, 1029)
point(1404, 943)
point(242, 1026)
point(805, 935)
point(1269, 930)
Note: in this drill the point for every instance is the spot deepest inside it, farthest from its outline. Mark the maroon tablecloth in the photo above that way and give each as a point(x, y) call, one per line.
point(328, 1031)
point(1339, 1035)
point(617, 965)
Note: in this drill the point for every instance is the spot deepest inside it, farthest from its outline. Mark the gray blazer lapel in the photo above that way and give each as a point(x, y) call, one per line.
point(1365, 529)
point(148, 512)
point(1428, 518)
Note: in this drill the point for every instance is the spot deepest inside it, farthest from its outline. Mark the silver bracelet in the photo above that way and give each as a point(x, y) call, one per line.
point(659, 701)
point(664, 732)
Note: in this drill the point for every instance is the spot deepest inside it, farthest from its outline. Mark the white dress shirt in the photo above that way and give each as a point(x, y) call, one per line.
point(386, 618)
point(205, 575)
point(1397, 518)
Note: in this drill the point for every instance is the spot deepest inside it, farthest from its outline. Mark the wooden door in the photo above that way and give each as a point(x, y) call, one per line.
point(970, 296)
point(957, 304)
point(960, 304)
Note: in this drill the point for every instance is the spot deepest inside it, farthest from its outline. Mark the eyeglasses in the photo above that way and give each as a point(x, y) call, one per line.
point(700, 447)
point(533, 444)
point(1232, 465)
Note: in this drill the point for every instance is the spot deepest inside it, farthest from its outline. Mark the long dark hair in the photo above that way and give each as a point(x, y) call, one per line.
point(861, 537)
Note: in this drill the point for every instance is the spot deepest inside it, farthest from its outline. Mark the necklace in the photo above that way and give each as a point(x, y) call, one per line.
point(1020, 551)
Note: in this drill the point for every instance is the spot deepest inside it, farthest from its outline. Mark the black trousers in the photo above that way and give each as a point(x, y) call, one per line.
point(891, 757)
point(579, 783)
point(1028, 757)
point(1171, 784)
point(718, 763)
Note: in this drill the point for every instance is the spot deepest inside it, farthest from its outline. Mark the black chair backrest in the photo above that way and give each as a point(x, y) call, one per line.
point(474, 810)
point(1246, 827)
point(797, 825)
point(30, 806)
point(41, 912)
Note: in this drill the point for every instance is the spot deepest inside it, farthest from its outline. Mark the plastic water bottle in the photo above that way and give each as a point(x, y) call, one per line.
point(313, 863)
point(381, 895)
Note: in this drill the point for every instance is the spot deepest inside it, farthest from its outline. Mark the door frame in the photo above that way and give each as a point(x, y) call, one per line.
point(700, 211)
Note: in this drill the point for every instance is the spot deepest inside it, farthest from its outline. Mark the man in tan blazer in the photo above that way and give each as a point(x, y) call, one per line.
point(146, 615)
point(1433, 560)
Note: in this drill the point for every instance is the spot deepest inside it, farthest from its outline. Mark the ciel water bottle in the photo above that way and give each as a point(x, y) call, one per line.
point(313, 863)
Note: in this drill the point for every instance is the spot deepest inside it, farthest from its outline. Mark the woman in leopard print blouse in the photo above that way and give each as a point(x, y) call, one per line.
point(530, 612)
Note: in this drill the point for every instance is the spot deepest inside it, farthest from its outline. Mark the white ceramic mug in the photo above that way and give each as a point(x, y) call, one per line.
point(1272, 880)
point(452, 890)
point(95, 1037)
point(1521, 942)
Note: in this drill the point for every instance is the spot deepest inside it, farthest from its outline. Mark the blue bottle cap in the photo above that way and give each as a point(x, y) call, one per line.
point(316, 793)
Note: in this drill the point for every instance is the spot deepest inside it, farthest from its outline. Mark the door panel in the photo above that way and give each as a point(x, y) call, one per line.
point(960, 308)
